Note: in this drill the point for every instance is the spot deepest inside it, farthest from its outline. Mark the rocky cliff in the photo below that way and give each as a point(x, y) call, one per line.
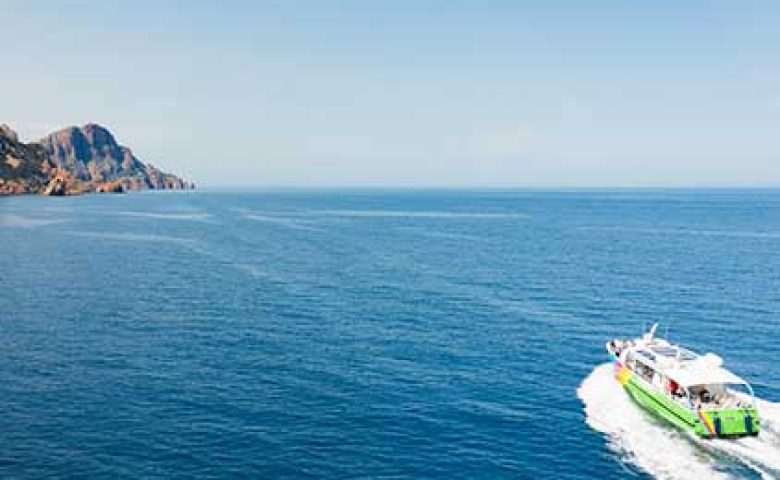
point(76, 160)
point(92, 155)
point(23, 167)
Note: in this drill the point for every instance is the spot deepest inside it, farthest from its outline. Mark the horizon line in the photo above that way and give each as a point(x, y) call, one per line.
point(372, 186)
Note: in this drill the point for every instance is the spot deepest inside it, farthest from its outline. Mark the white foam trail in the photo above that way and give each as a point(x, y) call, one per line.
point(426, 232)
point(686, 231)
point(420, 214)
point(11, 220)
point(137, 237)
point(285, 222)
point(663, 451)
point(195, 216)
point(770, 418)
point(762, 453)
point(635, 437)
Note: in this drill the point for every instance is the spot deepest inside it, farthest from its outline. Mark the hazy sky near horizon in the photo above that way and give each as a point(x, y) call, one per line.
point(414, 93)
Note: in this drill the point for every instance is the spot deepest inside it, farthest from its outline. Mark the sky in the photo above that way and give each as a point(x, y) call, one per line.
point(409, 93)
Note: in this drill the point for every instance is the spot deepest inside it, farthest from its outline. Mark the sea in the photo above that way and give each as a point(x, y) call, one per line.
point(375, 333)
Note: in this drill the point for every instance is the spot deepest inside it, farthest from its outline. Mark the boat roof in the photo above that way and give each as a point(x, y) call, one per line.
point(684, 366)
point(690, 375)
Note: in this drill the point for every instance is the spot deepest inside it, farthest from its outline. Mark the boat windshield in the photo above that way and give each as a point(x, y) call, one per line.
point(646, 354)
point(674, 352)
point(723, 396)
point(743, 393)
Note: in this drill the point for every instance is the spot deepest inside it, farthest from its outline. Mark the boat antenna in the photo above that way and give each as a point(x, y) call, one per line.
point(651, 333)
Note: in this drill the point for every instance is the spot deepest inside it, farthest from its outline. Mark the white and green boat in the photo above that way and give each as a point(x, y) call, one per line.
point(693, 392)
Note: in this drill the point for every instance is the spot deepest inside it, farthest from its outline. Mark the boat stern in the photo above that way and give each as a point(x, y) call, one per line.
point(728, 423)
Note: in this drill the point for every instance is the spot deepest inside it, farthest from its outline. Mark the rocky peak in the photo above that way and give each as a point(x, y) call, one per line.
point(76, 160)
point(92, 154)
point(7, 132)
point(99, 137)
point(87, 143)
point(21, 165)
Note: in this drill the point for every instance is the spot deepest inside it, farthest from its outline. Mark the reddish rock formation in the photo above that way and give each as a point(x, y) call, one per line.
point(92, 154)
point(110, 187)
point(76, 160)
point(64, 183)
point(22, 166)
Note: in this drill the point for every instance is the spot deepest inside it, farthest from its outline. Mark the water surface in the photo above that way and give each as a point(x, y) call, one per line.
point(355, 334)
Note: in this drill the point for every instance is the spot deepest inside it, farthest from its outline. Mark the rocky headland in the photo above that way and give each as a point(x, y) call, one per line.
point(76, 160)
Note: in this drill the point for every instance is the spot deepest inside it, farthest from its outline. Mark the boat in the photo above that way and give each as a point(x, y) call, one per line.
point(693, 392)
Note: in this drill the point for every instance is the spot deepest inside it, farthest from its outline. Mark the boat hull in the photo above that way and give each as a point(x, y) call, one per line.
point(704, 423)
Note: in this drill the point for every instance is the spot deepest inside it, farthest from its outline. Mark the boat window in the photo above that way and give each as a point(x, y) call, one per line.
point(666, 351)
point(646, 354)
point(687, 354)
point(674, 352)
point(740, 396)
point(631, 361)
point(643, 369)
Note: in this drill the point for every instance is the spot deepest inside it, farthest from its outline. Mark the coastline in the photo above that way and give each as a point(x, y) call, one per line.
point(76, 161)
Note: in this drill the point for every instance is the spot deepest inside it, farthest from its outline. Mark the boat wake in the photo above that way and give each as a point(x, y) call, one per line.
point(650, 445)
point(761, 453)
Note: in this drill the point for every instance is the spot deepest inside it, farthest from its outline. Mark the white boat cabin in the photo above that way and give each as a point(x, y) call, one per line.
point(692, 380)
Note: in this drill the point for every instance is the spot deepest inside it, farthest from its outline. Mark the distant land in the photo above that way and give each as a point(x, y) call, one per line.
point(76, 160)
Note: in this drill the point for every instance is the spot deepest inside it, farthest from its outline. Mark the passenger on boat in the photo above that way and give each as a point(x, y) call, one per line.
point(675, 390)
point(706, 396)
point(617, 346)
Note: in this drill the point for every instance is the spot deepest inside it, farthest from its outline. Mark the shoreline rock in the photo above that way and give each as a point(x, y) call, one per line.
point(76, 160)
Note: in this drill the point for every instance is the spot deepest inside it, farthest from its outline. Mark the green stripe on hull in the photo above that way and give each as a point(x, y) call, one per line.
point(732, 422)
point(665, 408)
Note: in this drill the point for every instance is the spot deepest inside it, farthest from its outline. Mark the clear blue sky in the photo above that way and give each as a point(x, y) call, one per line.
point(443, 93)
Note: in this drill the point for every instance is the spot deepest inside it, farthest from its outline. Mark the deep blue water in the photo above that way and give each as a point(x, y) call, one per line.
point(359, 334)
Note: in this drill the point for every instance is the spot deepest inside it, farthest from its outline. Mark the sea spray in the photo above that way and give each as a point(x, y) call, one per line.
point(762, 453)
point(648, 444)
